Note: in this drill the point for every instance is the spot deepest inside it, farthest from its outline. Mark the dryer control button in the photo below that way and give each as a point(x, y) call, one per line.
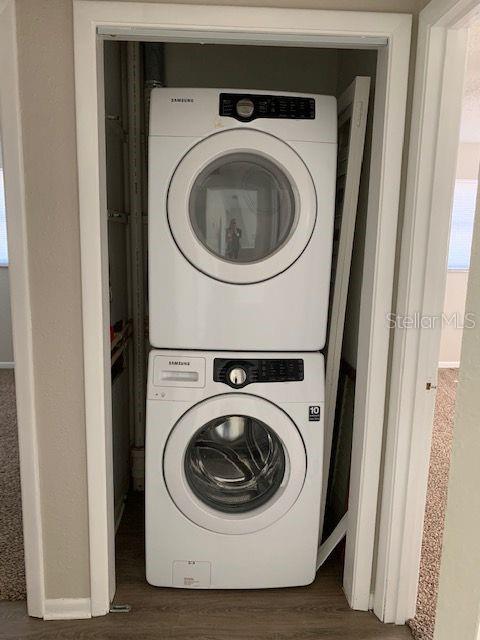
point(245, 108)
point(237, 376)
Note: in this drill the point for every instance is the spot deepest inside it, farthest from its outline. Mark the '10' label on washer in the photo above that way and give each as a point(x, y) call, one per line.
point(314, 413)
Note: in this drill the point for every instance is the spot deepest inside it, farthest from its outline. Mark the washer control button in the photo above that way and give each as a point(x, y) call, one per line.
point(245, 108)
point(237, 376)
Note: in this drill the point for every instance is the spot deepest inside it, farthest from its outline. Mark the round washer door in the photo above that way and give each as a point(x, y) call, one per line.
point(234, 464)
point(241, 206)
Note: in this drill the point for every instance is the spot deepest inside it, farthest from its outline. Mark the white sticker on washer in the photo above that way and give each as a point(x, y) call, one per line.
point(191, 574)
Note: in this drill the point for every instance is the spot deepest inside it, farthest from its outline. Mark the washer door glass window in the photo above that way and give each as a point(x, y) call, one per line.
point(235, 463)
point(242, 207)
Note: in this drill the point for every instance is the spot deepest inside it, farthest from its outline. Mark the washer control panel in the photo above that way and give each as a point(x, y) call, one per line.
point(238, 373)
point(248, 107)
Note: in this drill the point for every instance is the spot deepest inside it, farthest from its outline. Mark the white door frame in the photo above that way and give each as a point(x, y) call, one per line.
point(430, 182)
point(194, 23)
point(18, 271)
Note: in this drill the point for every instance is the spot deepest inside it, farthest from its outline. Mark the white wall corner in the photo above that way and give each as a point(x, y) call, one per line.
point(67, 609)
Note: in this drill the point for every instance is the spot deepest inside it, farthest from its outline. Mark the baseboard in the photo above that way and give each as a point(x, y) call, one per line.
point(67, 609)
point(448, 365)
point(7, 365)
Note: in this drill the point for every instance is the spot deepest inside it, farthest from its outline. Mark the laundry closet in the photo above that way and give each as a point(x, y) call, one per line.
point(190, 385)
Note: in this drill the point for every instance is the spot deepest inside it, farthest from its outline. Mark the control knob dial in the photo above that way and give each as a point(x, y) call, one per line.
point(245, 108)
point(237, 376)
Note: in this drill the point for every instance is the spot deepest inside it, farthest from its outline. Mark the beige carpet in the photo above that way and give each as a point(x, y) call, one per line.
point(423, 624)
point(12, 572)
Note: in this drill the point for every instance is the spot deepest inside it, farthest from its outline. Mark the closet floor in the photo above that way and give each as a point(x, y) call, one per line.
point(316, 612)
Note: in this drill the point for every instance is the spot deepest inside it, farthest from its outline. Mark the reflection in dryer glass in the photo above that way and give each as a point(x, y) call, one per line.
point(242, 207)
point(235, 464)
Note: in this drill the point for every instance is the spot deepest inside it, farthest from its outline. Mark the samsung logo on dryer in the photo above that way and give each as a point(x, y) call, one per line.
point(182, 363)
point(181, 100)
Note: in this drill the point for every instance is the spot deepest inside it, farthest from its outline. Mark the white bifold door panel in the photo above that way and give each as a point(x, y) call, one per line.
point(352, 122)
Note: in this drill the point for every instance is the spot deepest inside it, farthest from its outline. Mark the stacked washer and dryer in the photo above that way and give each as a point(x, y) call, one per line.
point(241, 211)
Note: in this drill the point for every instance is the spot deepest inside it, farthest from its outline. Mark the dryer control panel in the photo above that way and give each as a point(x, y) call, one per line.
point(247, 107)
point(237, 373)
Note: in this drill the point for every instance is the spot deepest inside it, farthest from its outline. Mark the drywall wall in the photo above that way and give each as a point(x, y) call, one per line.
point(422, 4)
point(456, 288)
point(45, 48)
point(45, 58)
point(270, 68)
point(6, 346)
point(468, 160)
point(454, 308)
point(458, 607)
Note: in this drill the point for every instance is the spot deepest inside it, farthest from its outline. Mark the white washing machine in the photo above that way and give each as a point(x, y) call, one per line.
point(241, 208)
point(233, 469)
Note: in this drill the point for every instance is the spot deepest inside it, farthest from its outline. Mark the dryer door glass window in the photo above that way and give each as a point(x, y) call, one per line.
point(242, 207)
point(235, 463)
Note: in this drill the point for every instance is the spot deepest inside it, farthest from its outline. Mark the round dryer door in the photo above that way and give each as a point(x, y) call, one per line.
point(241, 206)
point(234, 464)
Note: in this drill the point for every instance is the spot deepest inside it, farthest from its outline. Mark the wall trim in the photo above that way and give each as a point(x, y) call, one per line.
point(449, 365)
point(7, 365)
point(10, 121)
point(434, 136)
point(258, 25)
point(67, 609)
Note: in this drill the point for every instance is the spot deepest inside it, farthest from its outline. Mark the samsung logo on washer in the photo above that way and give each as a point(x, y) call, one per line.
point(182, 363)
point(181, 100)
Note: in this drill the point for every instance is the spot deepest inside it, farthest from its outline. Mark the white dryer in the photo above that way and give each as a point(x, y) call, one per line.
point(241, 208)
point(233, 469)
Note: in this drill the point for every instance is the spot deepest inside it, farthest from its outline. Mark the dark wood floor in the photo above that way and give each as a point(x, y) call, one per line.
point(316, 612)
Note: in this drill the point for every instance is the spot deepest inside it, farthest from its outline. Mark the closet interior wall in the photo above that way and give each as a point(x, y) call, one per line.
point(295, 69)
point(118, 206)
point(131, 70)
